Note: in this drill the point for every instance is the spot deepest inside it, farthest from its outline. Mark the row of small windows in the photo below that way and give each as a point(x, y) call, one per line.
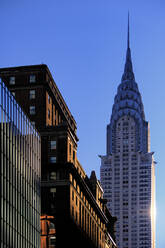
point(32, 110)
point(32, 79)
point(84, 219)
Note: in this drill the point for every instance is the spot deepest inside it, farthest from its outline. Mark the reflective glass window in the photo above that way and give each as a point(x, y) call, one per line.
point(32, 110)
point(53, 144)
point(12, 80)
point(32, 79)
point(53, 159)
point(32, 94)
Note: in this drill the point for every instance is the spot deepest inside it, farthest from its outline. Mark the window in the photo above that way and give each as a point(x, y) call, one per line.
point(53, 175)
point(70, 148)
point(52, 160)
point(53, 192)
point(32, 110)
point(53, 144)
point(48, 114)
point(48, 99)
point(12, 80)
point(52, 241)
point(33, 123)
point(73, 155)
point(32, 79)
point(51, 226)
point(32, 94)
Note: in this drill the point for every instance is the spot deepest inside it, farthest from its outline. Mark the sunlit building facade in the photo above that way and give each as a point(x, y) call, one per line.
point(48, 231)
point(128, 169)
point(20, 175)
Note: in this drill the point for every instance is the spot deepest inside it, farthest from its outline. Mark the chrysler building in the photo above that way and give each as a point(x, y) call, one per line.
point(127, 170)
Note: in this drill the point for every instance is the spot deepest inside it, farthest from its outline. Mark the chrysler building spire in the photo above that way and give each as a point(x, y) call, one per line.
point(127, 170)
point(128, 70)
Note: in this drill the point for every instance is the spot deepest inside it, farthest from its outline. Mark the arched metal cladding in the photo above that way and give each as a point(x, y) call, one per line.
point(129, 98)
point(128, 102)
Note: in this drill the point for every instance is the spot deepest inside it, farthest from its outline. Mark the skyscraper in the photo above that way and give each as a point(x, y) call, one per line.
point(127, 169)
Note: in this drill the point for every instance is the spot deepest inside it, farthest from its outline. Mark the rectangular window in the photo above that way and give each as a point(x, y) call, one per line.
point(33, 123)
point(53, 175)
point(32, 94)
point(70, 149)
point(48, 114)
point(51, 226)
point(53, 144)
point(52, 160)
point(32, 110)
point(53, 193)
point(53, 190)
point(48, 99)
point(32, 79)
point(52, 241)
point(12, 80)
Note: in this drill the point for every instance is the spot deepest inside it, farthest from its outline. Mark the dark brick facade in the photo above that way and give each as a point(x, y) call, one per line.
point(68, 195)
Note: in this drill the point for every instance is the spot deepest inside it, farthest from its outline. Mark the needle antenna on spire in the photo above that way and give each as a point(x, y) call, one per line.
point(128, 32)
point(128, 69)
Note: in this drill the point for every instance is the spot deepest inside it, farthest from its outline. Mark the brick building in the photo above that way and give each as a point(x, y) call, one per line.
point(71, 202)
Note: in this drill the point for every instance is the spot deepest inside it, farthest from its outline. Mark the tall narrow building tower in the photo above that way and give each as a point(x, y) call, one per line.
point(127, 170)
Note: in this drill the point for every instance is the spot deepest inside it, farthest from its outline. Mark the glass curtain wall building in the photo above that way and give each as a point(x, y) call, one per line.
point(20, 175)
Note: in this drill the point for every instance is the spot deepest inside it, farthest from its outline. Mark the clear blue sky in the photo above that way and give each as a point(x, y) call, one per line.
point(84, 44)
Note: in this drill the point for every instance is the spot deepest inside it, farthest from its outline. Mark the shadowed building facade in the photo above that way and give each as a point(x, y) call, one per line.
point(71, 202)
point(20, 175)
point(128, 169)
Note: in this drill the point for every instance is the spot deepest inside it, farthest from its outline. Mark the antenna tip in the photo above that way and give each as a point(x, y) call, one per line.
point(128, 32)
